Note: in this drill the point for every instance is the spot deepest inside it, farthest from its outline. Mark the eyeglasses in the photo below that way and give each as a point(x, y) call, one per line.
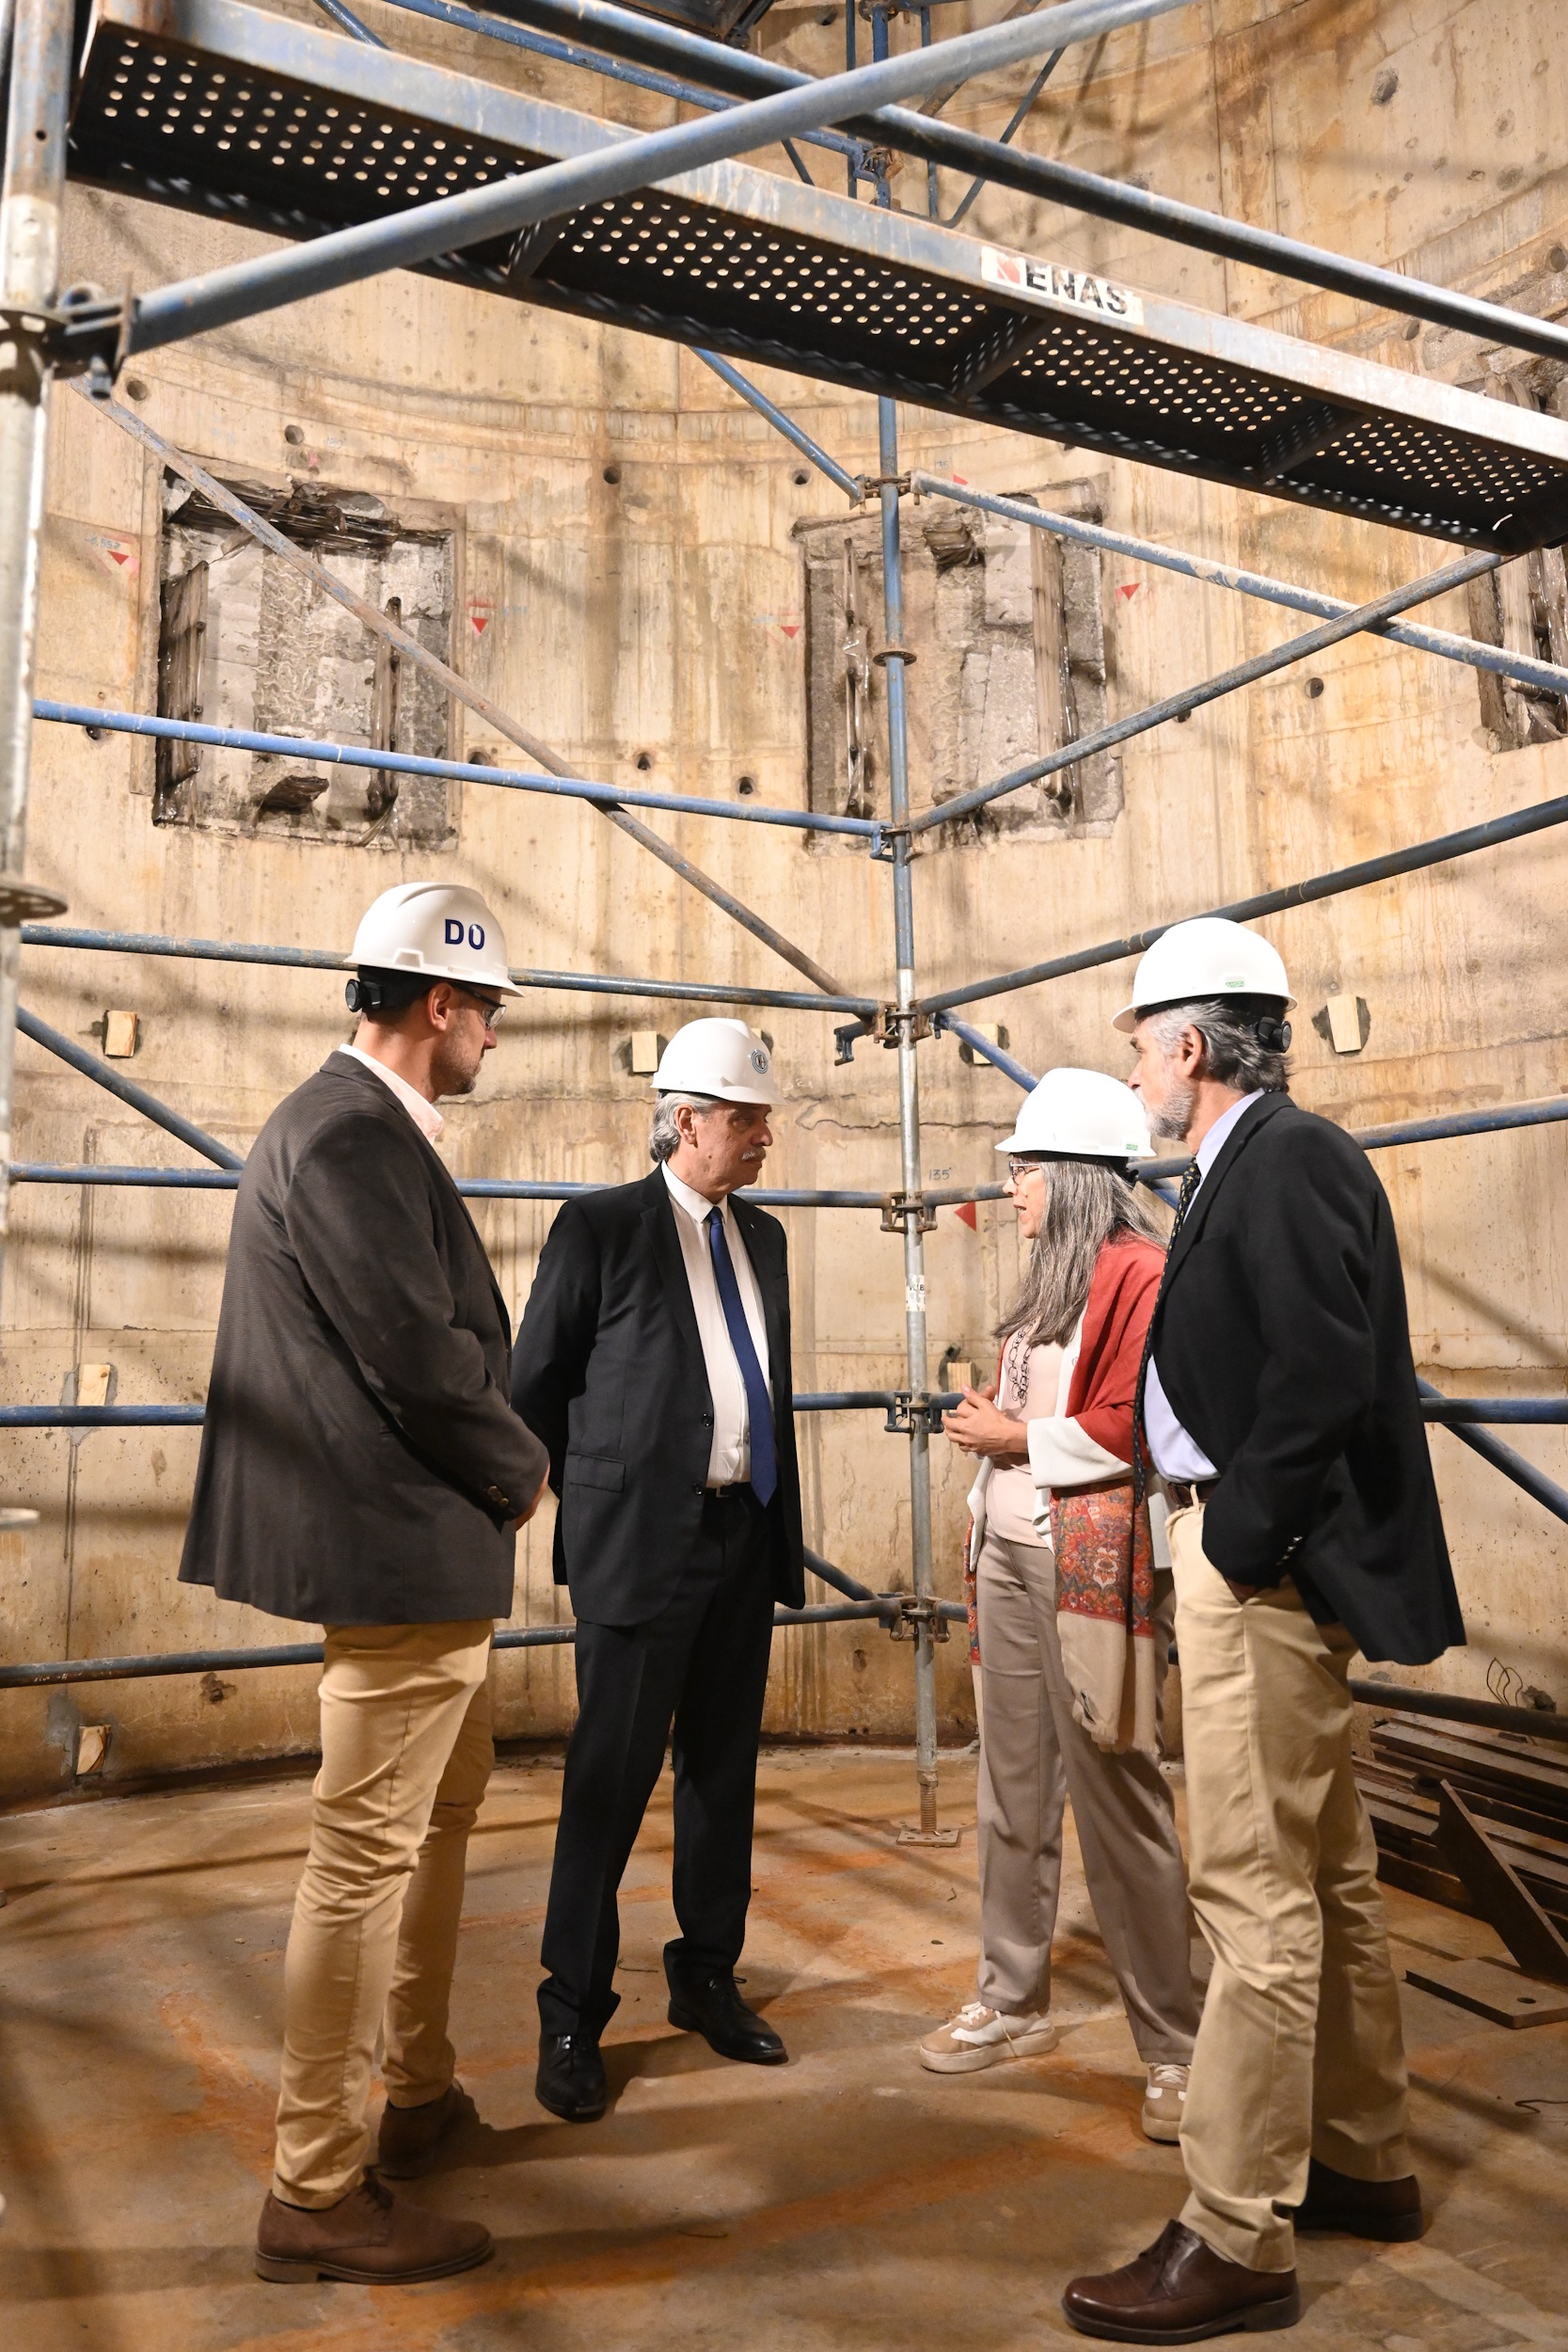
point(491, 1008)
point(1017, 1169)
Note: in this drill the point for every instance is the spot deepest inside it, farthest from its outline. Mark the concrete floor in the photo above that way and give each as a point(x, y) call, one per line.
point(849, 2201)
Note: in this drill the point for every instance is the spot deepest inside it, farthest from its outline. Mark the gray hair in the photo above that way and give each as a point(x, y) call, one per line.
point(1087, 1204)
point(1232, 1052)
point(664, 1135)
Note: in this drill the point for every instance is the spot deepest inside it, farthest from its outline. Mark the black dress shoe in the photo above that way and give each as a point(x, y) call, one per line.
point(1387, 2210)
point(1179, 2290)
point(709, 2003)
point(570, 2081)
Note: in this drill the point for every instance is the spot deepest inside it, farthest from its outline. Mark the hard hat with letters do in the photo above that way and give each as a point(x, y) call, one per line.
point(1210, 956)
point(723, 1058)
point(1080, 1115)
point(431, 931)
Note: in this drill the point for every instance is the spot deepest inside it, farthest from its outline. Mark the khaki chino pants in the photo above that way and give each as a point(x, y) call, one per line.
point(1300, 2051)
point(406, 1754)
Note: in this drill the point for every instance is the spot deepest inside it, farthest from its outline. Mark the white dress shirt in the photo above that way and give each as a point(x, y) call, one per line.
point(1175, 1453)
point(730, 1454)
point(425, 1116)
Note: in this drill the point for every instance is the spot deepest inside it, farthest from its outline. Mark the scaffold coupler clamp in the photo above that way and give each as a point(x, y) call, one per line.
point(899, 1207)
point(891, 1024)
point(908, 1611)
point(869, 484)
point(912, 1409)
point(87, 332)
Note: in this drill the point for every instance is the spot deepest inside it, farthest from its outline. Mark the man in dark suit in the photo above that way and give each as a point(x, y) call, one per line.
point(654, 1359)
point(361, 1468)
point(1280, 1409)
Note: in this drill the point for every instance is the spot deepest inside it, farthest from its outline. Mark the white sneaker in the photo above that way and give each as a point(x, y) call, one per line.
point(980, 2037)
point(1164, 2102)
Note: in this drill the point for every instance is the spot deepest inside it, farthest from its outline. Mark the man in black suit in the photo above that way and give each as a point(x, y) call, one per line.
point(361, 1468)
point(654, 1359)
point(1279, 1406)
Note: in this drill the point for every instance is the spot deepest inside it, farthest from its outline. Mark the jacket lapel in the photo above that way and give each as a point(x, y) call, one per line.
point(1254, 1118)
point(659, 1223)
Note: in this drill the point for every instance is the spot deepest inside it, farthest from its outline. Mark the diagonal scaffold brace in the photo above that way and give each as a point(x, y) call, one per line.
point(457, 686)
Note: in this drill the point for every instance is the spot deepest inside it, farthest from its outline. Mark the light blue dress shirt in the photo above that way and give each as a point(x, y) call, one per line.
point(1175, 1453)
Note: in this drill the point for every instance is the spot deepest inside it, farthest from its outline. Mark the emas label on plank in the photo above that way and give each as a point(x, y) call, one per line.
point(1025, 274)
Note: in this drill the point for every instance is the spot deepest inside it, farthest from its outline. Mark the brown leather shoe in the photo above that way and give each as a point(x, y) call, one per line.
point(1389, 2210)
point(410, 2137)
point(366, 2237)
point(1177, 2291)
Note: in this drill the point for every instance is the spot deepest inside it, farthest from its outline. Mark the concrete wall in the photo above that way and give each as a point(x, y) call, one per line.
point(659, 616)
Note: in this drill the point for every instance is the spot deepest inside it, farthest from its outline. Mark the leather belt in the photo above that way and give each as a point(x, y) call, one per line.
point(1189, 1491)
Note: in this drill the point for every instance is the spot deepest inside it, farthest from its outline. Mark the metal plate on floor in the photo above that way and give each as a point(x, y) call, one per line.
point(216, 107)
point(1492, 1989)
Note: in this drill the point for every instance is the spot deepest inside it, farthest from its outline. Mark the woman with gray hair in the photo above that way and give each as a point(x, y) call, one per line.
point(1072, 1614)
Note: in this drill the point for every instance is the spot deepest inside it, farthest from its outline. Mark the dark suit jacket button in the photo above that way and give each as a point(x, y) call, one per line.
point(699, 1489)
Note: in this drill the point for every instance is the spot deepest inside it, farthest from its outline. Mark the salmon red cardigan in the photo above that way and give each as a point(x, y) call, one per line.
point(1116, 1316)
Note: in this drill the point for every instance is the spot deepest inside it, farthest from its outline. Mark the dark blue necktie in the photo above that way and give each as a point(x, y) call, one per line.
point(764, 1460)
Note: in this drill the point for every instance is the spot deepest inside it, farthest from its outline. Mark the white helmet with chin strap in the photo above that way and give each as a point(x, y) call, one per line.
point(430, 932)
point(721, 1059)
point(1080, 1115)
point(1212, 957)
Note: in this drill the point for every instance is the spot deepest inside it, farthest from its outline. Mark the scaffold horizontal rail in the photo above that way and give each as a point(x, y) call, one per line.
point(1454, 1412)
point(487, 772)
point(526, 976)
point(299, 132)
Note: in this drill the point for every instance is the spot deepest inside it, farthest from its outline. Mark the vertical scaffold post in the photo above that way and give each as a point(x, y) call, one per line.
point(895, 658)
point(30, 202)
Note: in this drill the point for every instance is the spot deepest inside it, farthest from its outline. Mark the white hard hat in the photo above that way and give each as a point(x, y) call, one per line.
point(1209, 956)
point(723, 1058)
point(438, 931)
point(1080, 1115)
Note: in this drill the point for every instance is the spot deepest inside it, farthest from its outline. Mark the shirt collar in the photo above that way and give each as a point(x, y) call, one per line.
point(1215, 1141)
point(425, 1116)
point(697, 1205)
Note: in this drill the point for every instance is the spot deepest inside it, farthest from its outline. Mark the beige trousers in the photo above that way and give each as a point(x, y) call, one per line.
point(406, 1753)
point(1033, 1758)
point(1300, 2051)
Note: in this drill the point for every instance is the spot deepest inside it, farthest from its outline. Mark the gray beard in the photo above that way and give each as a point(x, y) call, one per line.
point(1174, 1115)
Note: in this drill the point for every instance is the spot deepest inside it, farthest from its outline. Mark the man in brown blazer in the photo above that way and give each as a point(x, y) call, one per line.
point(362, 1469)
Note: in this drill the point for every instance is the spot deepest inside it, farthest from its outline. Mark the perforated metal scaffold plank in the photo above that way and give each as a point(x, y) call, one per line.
point(217, 107)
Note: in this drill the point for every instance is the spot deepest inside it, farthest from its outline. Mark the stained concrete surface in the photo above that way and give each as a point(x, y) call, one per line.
point(848, 2200)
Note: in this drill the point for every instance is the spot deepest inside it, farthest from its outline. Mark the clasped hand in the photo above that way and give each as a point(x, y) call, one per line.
point(977, 1427)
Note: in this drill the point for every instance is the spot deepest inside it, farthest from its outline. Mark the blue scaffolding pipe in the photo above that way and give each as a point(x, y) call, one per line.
point(1550, 1111)
point(125, 1089)
point(793, 433)
point(989, 1050)
point(1490, 835)
point(593, 61)
point(423, 232)
point(1452, 1412)
point(348, 23)
point(1523, 1474)
point(956, 217)
point(1522, 667)
point(471, 1187)
point(1043, 178)
point(71, 1670)
point(1192, 698)
point(452, 770)
point(326, 960)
